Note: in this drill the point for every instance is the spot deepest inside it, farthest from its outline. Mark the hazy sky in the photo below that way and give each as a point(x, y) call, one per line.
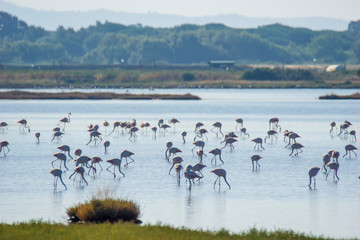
point(340, 9)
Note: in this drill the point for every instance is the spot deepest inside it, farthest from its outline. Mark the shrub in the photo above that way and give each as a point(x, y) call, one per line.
point(187, 77)
point(104, 210)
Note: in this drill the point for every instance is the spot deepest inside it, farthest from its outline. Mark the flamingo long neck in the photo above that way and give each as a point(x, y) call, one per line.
point(69, 117)
point(62, 182)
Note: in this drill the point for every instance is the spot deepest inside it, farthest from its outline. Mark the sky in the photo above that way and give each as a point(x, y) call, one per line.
point(344, 9)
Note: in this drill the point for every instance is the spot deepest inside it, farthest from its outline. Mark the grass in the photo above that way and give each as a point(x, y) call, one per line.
point(94, 95)
point(334, 96)
point(38, 230)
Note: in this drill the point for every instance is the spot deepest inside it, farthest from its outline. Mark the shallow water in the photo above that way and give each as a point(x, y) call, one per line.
point(276, 196)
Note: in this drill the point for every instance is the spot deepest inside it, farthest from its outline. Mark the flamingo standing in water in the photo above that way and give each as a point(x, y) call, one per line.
point(333, 166)
point(173, 151)
point(106, 145)
point(95, 160)
point(216, 152)
point(79, 170)
point(243, 132)
point(176, 160)
point(168, 146)
point(239, 121)
point(106, 124)
point(220, 173)
point(202, 132)
point(23, 125)
point(178, 167)
point(350, 148)
point(183, 134)
point(312, 173)
point(297, 147)
point(271, 134)
point(127, 154)
point(229, 141)
point(4, 144)
point(200, 144)
point(352, 135)
point(116, 126)
point(200, 154)
point(197, 168)
point(65, 148)
point(191, 175)
point(332, 125)
point(78, 152)
point(326, 159)
point(37, 135)
point(174, 121)
point(57, 175)
point(133, 131)
point(57, 135)
point(258, 143)
point(274, 124)
point(334, 155)
point(60, 156)
point(95, 135)
point(3, 126)
point(198, 126)
point(154, 129)
point(292, 138)
point(65, 120)
point(115, 162)
point(218, 126)
point(255, 158)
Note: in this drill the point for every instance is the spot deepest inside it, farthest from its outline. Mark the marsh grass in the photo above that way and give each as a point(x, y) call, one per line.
point(46, 230)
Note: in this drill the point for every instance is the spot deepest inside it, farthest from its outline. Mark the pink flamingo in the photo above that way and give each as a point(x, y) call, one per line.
point(133, 131)
point(218, 126)
point(95, 135)
point(154, 130)
point(312, 173)
point(174, 121)
point(3, 126)
point(239, 121)
point(173, 151)
point(197, 168)
point(216, 152)
point(198, 126)
point(353, 135)
point(168, 146)
point(297, 147)
point(115, 162)
point(95, 160)
point(127, 154)
point(229, 141)
point(4, 144)
point(78, 152)
point(255, 158)
point(243, 132)
point(79, 170)
point(271, 134)
point(200, 154)
point(333, 166)
point(176, 160)
point(191, 175)
point(57, 135)
point(333, 125)
point(220, 173)
point(183, 134)
point(202, 132)
point(326, 159)
point(65, 120)
point(258, 143)
point(350, 148)
point(274, 124)
point(65, 148)
point(60, 156)
point(178, 167)
point(116, 125)
point(57, 175)
point(200, 144)
point(23, 125)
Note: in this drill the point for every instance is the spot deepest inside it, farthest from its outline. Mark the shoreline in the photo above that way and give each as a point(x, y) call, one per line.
point(354, 96)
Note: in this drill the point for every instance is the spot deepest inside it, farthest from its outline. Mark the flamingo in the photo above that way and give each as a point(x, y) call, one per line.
point(106, 124)
point(176, 160)
point(3, 126)
point(178, 167)
point(229, 141)
point(239, 121)
point(297, 147)
point(220, 173)
point(218, 126)
point(174, 121)
point(183, 134)
point(65, 120)
point(23, 125)
point(202, 132)
point(115, 162)
point(173, 151)
point(333, 125)
point(79, 170)
point(292, 136)
point(200, 154)
point(4, 144)
point(326, 159)
point(350, 148)
point(216, 152)
point(274, 124)
point(198, 126)
point(168, 146)
point(200, 144)
point(95, 160)
point(56, 129)
point(57, 135)
point(353, 135)
point(335, 155)
point(78, 152)
point(127, 154)
point(154, 129)
point(197, 168)
point(60, 156)
point(133, 131)
point(146, 125)
point(312, 173)
point(344, 128)
point(243, 132)
point(333, 166)
point(82, 160)
point(191, 175)
point(271, 134)
point(95, 135)
point(65, 148)
point(160, 122)
point(106, 145)
point(57, 175)
point(116, 125)
point(164, 126)
point(37, 135)
point(255, 158)
point(258, 143)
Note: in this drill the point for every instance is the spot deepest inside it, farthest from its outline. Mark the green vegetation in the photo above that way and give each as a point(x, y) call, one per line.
point(37, 230)
point(160, 78)
point(110, 43)
point(93, 96)
point(334, 96)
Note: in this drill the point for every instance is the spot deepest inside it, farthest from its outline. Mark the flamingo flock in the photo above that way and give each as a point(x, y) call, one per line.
point(83, 164)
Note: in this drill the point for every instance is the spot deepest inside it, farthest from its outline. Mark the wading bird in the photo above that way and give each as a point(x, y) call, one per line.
point(176, 160)
point(229, 141)
point(23, 125)
point(106, 145)
point(312, 173)
point(57, 135)
point(350, 148)
point(220, 173)
point(332, 125)
point(95, 160)
point(200, 154)
point(116, 126)
point(297, 147)
point(127, 154)
point(57, 175)
point(200, 134)
point(79, 170)
point(255, 158)
point(197, 168)
point(3, 126)
point(326, 159)
point(216, 152)
point(200, 144)
point(95, 135)
point(116, 162)
point(218, 126)
point(173, 151)
point(243, 132)
point(178, 167)
point(198, 126)
point(352, 135)
point(60, 156)
point(37, 135)
point(174, 121)
point(4, 144)
point(78, 152)
point(168, 146)
point(271, 134)
point(183, 135)
point(258, 143)
point(65, 148)
point(333, 166)
point(239, 121)
point(191, 175)
point(274, 124)
point(154, 129)
point(65, 120)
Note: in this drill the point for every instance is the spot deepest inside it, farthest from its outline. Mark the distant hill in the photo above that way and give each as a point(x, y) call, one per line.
point(50, 20)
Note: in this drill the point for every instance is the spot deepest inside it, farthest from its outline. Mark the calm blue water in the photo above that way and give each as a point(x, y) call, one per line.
point(275, 197)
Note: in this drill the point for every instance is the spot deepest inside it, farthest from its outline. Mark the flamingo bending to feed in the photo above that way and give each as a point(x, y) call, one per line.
point(106, 145)
point(200, 144)
point(191, 175)
point(350, 148)
point(258, 143)
point(197, 168)
point(60, 156)
point(57, 175)
point(220, 173)
point(95, 135)
point(218, 126)
point(178, 167)
point(333, 125)
point(127, 154)
point(312, 174)
point(183, 135)
point(168, 146)
point(229, 141)
point(297, 147)
point(23, 125)
point(333, 166)
point(115, 162)
point(200, 154)
point(79, 170)
point(95, 160)
point(37, 135)
point(57, 135)
point(4, 144)
point(239, 121)
point(271, 134)
point(174, 121)
point(216, 152)
point(176, 160)
point(326, 159)
point(65, 148)
point(255, 158)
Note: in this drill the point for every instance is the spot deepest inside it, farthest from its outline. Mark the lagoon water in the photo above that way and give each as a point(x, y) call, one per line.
point(275, 197)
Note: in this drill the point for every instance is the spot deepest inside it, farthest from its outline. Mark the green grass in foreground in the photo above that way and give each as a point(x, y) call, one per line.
point(38, 230)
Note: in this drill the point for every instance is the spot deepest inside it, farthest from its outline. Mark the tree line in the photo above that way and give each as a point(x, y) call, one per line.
point(112, 43)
